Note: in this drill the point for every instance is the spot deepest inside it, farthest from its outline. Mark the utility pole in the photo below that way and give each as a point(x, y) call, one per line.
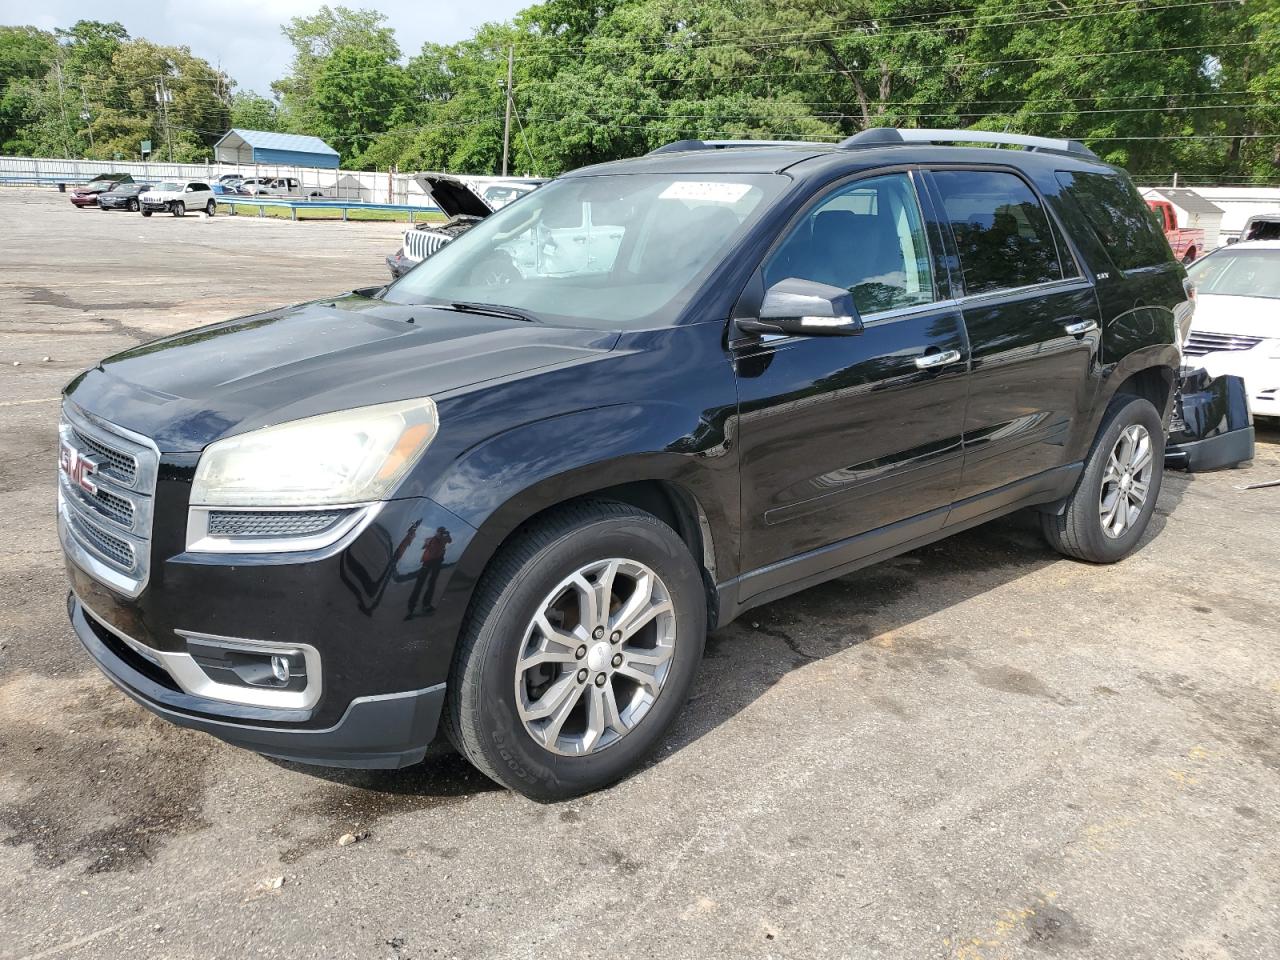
point(163, 96)
point(62, 106)
point(506, 128)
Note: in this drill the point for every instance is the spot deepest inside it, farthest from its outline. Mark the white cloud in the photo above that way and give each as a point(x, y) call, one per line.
point(243, 36)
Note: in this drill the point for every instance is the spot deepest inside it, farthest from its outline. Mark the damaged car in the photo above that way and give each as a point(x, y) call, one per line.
point(465, 201)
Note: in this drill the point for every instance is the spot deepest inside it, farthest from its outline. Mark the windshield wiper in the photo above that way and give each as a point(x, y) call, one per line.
point(492, 310)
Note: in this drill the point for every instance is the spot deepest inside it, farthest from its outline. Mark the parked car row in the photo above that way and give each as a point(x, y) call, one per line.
point(120, 191)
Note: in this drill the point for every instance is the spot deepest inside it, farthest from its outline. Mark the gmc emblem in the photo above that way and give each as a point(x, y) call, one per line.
point(77, 468)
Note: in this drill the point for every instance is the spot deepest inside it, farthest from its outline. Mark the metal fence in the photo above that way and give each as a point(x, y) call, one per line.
point(354, 185)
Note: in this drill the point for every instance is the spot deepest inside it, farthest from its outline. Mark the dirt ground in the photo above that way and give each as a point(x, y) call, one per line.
point(978, 750)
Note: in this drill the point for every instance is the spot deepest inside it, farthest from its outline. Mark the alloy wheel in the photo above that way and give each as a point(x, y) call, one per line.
point(1126, 481)
point(595, 656)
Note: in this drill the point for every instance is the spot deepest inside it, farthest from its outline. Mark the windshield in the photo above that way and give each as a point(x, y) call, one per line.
point(1238, 273)
point(166, 187)
point(609, 250)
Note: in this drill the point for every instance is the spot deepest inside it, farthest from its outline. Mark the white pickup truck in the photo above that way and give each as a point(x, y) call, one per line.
point(177, 197)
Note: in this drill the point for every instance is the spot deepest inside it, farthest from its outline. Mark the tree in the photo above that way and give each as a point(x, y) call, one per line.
point(315, 40)
point(356, 94)
point(26, 55)
point(249, 111)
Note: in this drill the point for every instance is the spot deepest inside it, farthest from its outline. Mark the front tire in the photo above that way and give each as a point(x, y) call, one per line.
point(146, 213)
point(579, 651)
point(132, 206)
point(1116, 494)
point(179, 209)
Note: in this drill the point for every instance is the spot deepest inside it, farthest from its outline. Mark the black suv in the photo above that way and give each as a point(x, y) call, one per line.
point(504, 498)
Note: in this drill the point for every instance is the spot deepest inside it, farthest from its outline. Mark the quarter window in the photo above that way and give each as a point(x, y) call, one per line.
point(868, 238)
point(1002, 232)
point(1124, 223)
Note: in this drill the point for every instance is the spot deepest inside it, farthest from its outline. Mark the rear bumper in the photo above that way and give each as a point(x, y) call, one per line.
point(383, 731)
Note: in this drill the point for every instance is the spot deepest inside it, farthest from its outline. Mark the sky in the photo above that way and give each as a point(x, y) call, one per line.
point(243, 36)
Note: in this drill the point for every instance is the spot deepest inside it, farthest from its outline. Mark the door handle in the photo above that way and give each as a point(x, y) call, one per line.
point(930, 360)
point(1078, 328)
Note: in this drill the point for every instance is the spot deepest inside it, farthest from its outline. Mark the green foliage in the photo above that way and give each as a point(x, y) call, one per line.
point(1156, 85)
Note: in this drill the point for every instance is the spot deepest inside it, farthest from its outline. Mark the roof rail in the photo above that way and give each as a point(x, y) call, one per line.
point(677, 146)
point(886, 136)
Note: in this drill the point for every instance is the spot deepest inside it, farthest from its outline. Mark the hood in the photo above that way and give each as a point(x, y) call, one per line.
point(452, 195)
point(188, 390)
point(1243, 316)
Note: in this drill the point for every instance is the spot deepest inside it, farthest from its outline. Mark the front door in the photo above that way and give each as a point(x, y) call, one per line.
point(842, 437)
point(1033, 327)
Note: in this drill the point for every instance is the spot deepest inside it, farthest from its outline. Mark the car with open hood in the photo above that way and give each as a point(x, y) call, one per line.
point(86, 195)
point(465, 201)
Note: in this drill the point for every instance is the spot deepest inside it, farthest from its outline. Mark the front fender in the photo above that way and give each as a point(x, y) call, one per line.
point(500, 483)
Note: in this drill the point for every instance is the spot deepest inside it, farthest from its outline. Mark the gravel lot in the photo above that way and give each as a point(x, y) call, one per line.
point(978, 750)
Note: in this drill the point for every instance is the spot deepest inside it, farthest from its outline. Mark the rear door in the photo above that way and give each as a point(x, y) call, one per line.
point(842, 437)
point(1033, 325)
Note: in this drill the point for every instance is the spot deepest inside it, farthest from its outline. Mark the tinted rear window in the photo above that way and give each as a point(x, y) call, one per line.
point(1002, 232)
point(1127, 227)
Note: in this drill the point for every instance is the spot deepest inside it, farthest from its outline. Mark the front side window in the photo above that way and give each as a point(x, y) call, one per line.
point(1002, 232)
point(867, 237)
point(609, 250)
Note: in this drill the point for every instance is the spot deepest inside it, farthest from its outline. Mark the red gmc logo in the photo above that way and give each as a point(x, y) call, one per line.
point(77, 468)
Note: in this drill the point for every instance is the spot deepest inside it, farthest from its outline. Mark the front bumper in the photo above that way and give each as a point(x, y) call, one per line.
point(154, 206)
point(84, 199)
point(384, 731)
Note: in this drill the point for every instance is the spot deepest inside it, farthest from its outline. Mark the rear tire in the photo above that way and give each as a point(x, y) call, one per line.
point(1103, 520)
point(608, 722)
point(179, 209)
point(210, 207)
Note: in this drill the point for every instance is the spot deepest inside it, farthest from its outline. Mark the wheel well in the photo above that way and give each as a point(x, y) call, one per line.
point(1153, 383)
point(675, 507)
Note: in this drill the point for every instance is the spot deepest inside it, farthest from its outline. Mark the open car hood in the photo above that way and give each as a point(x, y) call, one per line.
point(453, 196)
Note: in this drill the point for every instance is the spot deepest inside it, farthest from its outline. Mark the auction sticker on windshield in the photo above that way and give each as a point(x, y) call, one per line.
point(706, 190)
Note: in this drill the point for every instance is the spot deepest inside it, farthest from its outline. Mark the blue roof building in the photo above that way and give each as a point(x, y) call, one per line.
point(282, 149)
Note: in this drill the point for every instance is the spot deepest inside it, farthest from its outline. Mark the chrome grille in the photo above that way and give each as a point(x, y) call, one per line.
point(1198, 343)
point(114, 462)
point(106, 486)
point(420, 244)
point(271, 523)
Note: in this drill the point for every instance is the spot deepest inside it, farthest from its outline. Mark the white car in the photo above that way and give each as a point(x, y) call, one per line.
point(270, 187)
point(1236, 328)
point(177, 197)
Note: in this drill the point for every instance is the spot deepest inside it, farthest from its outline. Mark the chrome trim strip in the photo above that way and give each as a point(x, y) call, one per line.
point(189, 675)
point(200, 541)
point(80, 554)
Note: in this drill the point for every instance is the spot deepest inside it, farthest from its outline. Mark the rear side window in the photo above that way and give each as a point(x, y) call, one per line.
point(1127, 227)
point(1002, 232)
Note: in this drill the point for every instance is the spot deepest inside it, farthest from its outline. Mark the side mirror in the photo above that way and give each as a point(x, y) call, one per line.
point(805, 308)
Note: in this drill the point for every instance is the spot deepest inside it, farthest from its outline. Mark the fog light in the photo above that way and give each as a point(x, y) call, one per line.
point(280, 668)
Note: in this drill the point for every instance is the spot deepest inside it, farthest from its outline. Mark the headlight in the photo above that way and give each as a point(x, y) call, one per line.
point(353, 456)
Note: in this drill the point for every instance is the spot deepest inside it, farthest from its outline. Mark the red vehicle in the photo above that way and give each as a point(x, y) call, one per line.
point(1187, 242)
point(87, 195)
